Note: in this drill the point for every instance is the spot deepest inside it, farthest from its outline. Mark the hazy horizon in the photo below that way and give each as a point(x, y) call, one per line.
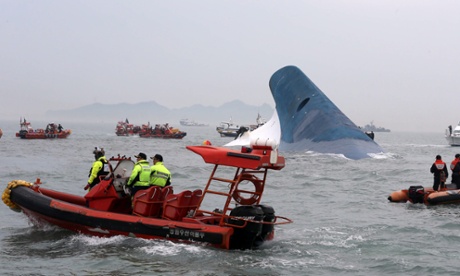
point(390, 62)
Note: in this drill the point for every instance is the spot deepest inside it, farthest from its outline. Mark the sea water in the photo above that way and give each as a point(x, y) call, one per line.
point(343, 222)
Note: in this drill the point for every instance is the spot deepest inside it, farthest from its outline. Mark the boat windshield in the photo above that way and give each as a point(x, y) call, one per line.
point(123, 168)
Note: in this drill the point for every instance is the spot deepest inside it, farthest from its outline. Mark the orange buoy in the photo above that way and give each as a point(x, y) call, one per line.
point(399, 196)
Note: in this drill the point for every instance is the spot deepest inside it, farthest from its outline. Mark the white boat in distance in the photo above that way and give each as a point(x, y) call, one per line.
point(187, 122)
point(453, 137)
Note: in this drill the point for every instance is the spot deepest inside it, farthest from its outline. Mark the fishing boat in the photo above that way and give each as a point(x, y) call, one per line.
point(426, 195)
point(52, 131)
point(227, 213)
point(163, 131)
point(124, 128)
point(229, 129)
point(371, 127)
point(453, 136)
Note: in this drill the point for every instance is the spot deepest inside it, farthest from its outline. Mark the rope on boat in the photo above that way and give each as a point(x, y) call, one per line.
point(6, 193)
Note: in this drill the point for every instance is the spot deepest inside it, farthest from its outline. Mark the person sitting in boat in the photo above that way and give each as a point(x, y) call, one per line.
point(241, 131)
point(101, 167)
point(440, 173)
point(140, 176)
point(455, 167)
point(160, 175)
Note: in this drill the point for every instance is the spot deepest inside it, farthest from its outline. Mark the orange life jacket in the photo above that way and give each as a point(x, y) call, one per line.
point(453, 163)
point(439, 164)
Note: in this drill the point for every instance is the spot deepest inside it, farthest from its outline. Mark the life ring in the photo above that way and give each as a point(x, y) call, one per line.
point(258, 187)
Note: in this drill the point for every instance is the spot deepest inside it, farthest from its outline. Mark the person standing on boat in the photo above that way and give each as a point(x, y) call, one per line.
point(140, 176)
point(160, 175)
point(101, 167)
point(455, 167)
point(440, 173)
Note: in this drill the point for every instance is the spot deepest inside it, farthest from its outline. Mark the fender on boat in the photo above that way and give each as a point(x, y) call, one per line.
point(399, 196)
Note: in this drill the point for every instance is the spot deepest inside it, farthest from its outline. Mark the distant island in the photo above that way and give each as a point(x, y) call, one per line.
point(371, 127)
point(155, 113)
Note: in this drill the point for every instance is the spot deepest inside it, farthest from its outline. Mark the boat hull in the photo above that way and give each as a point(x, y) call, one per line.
point(444, 197)
point(43, 135)
point(81, 219)
point(310, 121)
point(227, 132)
point(178, 135)
point(453, 136)
point(305, 119)
point(453, 140)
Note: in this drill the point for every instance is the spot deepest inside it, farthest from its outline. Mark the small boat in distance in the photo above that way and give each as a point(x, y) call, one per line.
point(52, 131)
point(371, 127)
point(426, 195)
point(229, 129)
point(187, 122)
point(124, 128)
point(453, 136)
point(161, 131)
point(226, 213)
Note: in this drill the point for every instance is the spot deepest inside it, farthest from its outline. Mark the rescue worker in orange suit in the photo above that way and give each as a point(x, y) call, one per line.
point(140, 176)
point(440, 173)
point(101, 167)
point(455, 167)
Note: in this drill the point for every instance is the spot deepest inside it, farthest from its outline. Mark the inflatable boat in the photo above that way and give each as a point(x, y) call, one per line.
point(240, 222)
point(426, 195)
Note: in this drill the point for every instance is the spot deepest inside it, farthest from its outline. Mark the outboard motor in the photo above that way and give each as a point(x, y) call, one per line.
point(416, 194)
point(244, 238)
point(268, 227)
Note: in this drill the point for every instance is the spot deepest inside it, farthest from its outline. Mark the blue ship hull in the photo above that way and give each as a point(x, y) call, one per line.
point(309, 121)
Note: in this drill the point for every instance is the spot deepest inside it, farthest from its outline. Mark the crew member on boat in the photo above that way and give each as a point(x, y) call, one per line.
point(140, 176)
point(160, 175)
point(101, 167)
point(440, 173)
point(455, 167)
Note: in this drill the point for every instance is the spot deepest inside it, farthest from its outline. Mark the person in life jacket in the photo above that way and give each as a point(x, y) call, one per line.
point(160, 175)
point(440, 173)
point(455, 167)
point(101, 167)
point(140, 176)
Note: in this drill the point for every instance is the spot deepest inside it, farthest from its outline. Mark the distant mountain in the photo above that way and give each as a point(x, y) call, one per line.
point(155, 113)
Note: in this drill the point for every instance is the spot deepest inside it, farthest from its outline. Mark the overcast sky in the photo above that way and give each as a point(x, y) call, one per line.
point(396, 62)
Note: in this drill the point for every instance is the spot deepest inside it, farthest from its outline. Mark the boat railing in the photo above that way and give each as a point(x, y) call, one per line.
point(246, 221)
point(240, 176)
